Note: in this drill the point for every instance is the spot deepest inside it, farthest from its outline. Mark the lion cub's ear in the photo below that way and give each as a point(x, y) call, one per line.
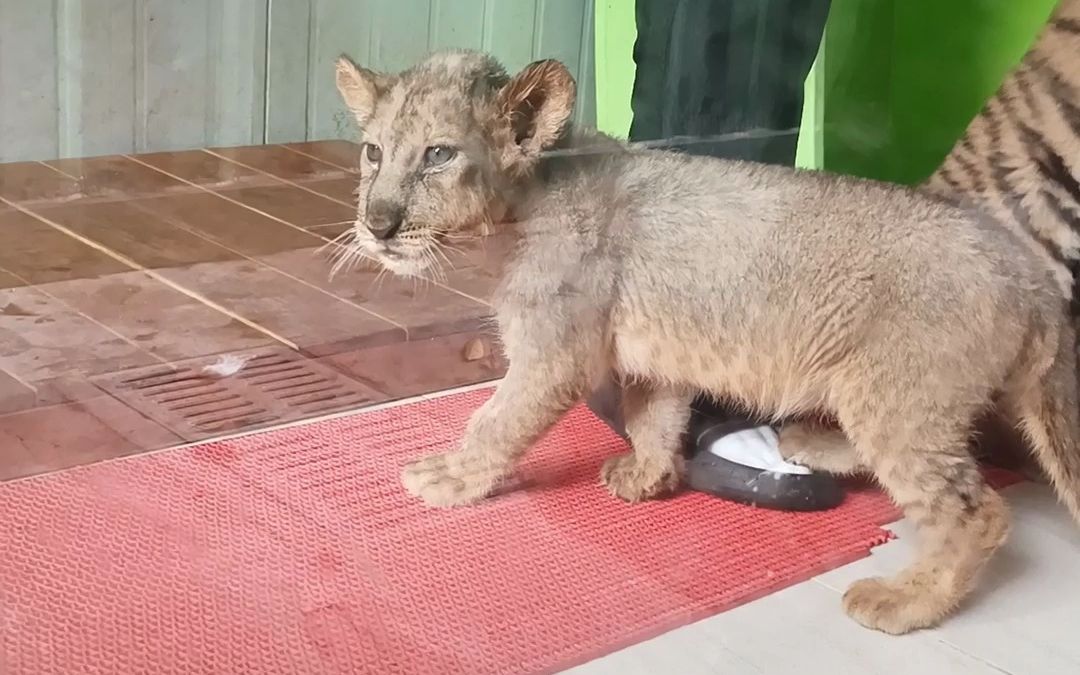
point(359, 87)
point(536, 105)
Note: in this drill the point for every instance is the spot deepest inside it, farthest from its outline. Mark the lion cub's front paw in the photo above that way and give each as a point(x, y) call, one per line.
point(632, 480)
point(450, 479)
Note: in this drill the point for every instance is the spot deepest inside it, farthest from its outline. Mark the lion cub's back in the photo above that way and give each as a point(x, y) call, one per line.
point(692, 214)
point(755, 253)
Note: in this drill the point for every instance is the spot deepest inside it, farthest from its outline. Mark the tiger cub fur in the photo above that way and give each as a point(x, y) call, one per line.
point(1020, 157)
point(1018, 162)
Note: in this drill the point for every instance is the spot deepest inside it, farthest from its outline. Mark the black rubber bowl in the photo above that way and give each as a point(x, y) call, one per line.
point(706, 472)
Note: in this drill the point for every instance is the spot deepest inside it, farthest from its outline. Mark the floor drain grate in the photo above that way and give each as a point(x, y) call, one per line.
point(273, 387)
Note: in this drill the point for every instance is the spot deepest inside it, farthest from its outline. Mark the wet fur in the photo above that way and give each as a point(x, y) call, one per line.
point(794, 292)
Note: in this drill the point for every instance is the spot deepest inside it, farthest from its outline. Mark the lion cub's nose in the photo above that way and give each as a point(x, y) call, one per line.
point(384, 220)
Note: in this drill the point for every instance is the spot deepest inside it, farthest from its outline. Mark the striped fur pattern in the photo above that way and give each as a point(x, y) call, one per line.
point(1020, 158)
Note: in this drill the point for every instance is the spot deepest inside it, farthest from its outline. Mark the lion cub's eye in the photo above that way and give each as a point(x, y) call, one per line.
point(373, 152)
point(438, 155)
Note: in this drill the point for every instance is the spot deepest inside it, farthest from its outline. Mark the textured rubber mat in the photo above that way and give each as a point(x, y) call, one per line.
point(296, 551)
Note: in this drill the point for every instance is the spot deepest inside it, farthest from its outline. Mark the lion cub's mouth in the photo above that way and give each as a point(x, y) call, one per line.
point(399, 259)
point(426, 257)
point(384, 251)
point(355, 246)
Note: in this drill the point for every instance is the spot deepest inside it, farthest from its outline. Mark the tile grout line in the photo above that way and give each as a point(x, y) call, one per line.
point(57, 170)
point(39, 288)
point(282, 220)
point(175, 222)
point(352, 170)
point(340, 222)
point(279, 178)
point(463, 294)
point(337, 201)
point(945, 642)
point(939, 639)
point(217, 194)
point(151, 273)
point(15, 376)
point(239, 203)
point(284, 181)
point(207, 190)
point(87, 199)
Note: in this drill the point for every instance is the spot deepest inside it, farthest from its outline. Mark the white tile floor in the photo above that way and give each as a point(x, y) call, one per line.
point(1024, 618)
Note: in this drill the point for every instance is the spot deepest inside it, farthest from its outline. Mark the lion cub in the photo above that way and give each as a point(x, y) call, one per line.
point(793, 291)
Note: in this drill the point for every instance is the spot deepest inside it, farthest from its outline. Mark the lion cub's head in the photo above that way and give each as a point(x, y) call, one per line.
point(445, 144)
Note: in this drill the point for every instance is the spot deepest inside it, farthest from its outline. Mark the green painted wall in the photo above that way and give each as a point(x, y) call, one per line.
point(904, 77)
point(857, 87)
point(896, 82)
point(616, 31)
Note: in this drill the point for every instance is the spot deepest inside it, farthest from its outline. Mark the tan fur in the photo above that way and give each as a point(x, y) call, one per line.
point(823, 447)
point(1019, 163)
point(793, 292)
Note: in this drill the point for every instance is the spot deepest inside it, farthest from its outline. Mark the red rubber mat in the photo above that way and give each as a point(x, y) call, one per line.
point(296, 551)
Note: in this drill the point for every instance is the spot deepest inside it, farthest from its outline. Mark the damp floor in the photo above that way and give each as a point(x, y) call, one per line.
point(123, 277)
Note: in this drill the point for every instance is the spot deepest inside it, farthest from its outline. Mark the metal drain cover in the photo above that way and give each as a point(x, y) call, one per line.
point(273, 387)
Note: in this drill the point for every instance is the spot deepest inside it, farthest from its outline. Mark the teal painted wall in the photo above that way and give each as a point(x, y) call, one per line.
point(92, 77)
point(306, 36)
point(80, 78)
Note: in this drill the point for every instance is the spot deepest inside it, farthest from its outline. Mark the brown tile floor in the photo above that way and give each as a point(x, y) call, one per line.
point(123, 277)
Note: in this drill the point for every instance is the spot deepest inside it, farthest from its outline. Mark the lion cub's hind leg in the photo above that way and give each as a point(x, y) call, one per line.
point(921, 458)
